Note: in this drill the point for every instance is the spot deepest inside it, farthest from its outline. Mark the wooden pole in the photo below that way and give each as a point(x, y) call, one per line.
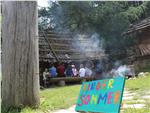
point(20, 59)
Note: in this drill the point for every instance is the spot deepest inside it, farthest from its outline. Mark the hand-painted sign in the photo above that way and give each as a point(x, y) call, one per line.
point(103, 96)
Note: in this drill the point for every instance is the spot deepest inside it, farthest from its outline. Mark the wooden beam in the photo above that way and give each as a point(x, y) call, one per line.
point(72, 51)
point(45, 37)
point(56, 44)
point(135, 29)
point(73, 58)
point(65, 39)
point(70, 79)
point(141, 25)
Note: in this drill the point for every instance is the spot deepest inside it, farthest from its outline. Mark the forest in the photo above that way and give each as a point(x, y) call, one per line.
point(108, 19)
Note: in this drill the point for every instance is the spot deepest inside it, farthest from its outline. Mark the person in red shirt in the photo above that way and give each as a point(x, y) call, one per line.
point(61, 70)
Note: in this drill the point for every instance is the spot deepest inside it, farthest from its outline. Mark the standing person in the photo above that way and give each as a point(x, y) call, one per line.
point(82, 71)
point(45, 76)
point(74, 70)
point(69, 72)
point(52, 71)
point(61, 70)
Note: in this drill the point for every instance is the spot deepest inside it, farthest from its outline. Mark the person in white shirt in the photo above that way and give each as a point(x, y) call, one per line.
point(82, 71)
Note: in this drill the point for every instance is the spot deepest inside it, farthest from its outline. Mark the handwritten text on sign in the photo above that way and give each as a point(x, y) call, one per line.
point(101, 95)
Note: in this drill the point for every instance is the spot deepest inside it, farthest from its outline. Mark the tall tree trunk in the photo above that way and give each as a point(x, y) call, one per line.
point(20, 60)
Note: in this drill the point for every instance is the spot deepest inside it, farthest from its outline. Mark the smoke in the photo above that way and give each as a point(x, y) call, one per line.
point(122, 71)
point(89, 45)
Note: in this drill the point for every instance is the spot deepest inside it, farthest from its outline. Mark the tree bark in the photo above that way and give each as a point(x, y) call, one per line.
point(20, 59)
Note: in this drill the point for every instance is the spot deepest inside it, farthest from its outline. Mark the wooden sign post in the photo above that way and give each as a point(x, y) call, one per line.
point(103, 96)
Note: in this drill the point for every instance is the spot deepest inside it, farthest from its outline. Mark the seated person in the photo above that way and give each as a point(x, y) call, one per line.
point(69, 72)
point(61, 70)
point(88, 72)
point(82, 71)
point(74, 70)
point(52, 71)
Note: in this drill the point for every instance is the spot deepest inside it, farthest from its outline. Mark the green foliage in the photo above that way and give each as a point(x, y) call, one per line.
point(109, 19)
point(88, 15)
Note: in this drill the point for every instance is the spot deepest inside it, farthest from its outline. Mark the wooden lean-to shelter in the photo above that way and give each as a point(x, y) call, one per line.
point(67, 48)
point(58, 47)
point(141, 50)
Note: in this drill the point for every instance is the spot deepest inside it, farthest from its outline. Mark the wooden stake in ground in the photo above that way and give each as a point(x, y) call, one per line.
point(20, 60)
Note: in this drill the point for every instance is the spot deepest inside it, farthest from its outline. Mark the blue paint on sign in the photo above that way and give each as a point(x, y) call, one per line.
point(101, 96)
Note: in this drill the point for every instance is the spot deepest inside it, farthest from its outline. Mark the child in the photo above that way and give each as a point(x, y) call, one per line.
point(45, 76)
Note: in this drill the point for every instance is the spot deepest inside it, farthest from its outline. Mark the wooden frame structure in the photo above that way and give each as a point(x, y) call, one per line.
point(55, 47)
point(142, 25)
point(142, 32)
point(141, 51)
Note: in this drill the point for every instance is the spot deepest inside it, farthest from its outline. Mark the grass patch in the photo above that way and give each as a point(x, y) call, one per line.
point(60, 97)
point(133, 102)
point(133, 110)
point(140, 83)
point(63, 97)
point(52, 99)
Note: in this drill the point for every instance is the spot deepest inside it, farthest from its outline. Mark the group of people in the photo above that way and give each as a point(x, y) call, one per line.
point(73, 69)
point(69, 71)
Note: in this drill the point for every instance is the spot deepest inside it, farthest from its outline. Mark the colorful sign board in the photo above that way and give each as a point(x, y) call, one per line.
point(102, 96)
